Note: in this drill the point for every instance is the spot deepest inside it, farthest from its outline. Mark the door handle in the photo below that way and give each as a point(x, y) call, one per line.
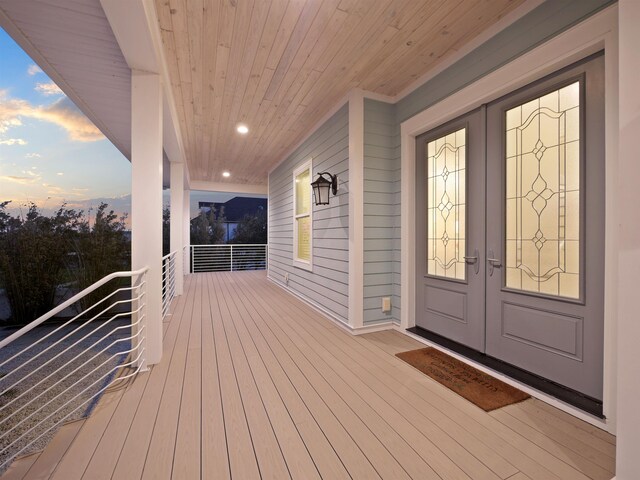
point(493, 262)
point(473, 261)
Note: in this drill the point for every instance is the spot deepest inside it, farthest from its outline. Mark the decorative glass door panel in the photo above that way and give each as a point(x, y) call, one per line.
point(542, 139)
point(446, 169)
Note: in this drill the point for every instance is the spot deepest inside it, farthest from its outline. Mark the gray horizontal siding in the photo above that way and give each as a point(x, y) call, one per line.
point(328, 283)
point(381, 209)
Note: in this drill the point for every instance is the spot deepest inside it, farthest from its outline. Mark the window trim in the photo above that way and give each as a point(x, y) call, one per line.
point(297, 262)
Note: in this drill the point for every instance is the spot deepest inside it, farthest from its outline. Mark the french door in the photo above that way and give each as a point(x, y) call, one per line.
point(524, 282)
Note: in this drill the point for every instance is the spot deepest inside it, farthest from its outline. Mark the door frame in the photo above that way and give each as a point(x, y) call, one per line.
point(599, 32)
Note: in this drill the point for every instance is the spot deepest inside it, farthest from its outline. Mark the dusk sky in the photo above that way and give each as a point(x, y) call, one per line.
point(50, 153)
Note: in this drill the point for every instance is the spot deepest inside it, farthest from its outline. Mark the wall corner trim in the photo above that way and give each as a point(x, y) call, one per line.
point(356, 209)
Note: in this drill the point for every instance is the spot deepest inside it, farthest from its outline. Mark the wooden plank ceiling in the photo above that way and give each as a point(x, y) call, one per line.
point(280, 65)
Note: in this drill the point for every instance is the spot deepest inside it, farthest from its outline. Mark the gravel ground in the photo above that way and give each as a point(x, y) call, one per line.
point(25, 416)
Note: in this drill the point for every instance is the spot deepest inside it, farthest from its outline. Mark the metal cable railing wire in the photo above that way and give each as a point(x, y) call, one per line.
point(66, 367)
point(168, 281)
point(228, 257)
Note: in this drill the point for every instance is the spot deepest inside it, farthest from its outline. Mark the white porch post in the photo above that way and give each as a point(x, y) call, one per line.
point(146, 199)
point(628, 460)
point(177, 222)
point(186, 225)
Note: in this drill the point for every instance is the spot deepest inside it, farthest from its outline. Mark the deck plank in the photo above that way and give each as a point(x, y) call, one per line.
point(242, 456)
point(134, 452)
point(215, 457)
point(256, 384)
point(266, 446)
point(160, 456)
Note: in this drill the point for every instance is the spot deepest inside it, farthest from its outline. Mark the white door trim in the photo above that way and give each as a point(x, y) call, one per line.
point(594, 34)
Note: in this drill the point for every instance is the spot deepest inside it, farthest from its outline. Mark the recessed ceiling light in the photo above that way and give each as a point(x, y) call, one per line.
point(242, 128)
point(226, 174)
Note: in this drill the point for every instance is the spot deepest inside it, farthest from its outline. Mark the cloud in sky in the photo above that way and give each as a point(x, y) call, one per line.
point(13, 141)
point(23, 180)
point(33, 155)
point(33, 69)
point(62, 112)
point(49, 89)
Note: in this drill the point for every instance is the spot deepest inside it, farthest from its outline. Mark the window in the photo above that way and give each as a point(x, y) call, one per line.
point(543, 194)
point(302, 221)
point(446, 205)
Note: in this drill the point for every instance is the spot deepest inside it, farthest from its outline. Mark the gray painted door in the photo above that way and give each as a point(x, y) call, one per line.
point(450, 188)
point(545, 227)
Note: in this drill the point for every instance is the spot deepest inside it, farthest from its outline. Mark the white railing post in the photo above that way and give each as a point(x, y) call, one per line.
point(232, 258)
point(146, 198)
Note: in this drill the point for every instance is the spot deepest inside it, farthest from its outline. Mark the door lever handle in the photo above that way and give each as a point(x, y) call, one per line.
point(473, 261)
point(493, 262)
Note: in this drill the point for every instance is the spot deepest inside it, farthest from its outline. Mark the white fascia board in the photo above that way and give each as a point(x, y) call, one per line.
point(229, 187)
point(136, 28)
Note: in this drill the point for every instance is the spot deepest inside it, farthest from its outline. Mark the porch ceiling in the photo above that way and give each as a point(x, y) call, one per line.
point(279, 66)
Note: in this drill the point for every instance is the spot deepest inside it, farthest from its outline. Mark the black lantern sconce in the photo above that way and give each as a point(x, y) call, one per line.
point(321, 188)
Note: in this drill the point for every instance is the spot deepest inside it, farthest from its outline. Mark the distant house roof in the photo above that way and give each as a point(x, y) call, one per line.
point(237, 207)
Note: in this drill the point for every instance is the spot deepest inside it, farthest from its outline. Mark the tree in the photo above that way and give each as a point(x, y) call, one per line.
point(252, 229)
point(33, 256)
point(38, 254)
point(208, 228)
point(99, 250)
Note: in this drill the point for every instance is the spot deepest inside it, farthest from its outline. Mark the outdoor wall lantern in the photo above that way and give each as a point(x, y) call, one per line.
point(321, 188)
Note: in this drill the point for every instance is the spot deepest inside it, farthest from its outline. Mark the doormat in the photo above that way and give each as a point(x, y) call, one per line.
point(482, 389)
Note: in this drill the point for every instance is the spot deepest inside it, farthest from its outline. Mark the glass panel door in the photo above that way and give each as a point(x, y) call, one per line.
point(545, 227)
point(450, 186)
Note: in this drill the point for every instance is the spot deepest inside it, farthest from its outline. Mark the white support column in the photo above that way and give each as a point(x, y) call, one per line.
point(177, 222)
point(628, 441)
point(146, 199)
point(356, 209)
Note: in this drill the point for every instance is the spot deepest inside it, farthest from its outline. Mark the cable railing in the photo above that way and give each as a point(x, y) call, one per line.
point(228, 258)
point(168, 281)
point(51, 374)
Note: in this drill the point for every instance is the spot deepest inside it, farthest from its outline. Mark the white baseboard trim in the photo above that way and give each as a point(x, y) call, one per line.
point(570, 409)
point(377, 327)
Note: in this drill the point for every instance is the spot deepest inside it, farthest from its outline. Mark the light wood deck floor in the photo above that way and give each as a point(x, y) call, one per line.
point(256, 384)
